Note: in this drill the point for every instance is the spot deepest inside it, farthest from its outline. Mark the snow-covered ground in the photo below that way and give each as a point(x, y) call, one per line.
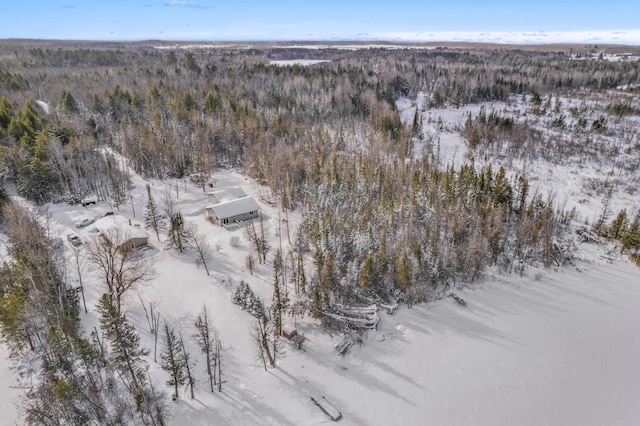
point(572, 183)
point(549, 348)
point(302, 62)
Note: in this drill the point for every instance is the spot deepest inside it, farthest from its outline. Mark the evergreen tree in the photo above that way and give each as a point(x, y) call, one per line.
point(619, 226)
point(631, 238)
point(246, 298)
point(172, 360)
point(255, 307)
point(600, 226)
point(152, 213)
point(280, 298)
point(178, 235)
point(502, 192)
point(68, 103)
point(125, 350)
point(240, 294)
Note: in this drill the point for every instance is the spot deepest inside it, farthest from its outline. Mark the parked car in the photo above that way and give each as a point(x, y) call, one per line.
point(74, 239)
point(89, 200)
point(84, 222)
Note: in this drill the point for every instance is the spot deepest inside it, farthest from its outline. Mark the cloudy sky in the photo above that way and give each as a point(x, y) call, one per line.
point(613, 21)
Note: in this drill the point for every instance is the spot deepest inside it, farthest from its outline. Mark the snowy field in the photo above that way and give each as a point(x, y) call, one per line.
point(572, 183)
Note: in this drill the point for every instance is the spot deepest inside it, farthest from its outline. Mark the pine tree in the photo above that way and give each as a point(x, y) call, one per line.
point(618, 226)
point(631, 238)
point(152, 214)
point(239, 294)
point(125, 351)
point(172, 361)
point(178, 235)
point(502, 192)
point(254, 305)
point(280, 298)
point(68, 103)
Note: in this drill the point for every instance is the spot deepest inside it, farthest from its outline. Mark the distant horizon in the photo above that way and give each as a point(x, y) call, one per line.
point(401, 21)
point(516, 39)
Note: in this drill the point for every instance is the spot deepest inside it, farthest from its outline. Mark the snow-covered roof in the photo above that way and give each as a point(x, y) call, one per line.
point(234, 207)
point(227, 194)
point(119, 222)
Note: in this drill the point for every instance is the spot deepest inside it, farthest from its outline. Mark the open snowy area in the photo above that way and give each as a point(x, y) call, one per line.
point(577, 181)
point(552, 347)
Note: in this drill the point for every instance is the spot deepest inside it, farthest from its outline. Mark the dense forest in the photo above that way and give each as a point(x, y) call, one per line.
point(379, 224)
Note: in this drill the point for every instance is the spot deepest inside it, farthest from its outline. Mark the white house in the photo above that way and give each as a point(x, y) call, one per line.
point(234, 211)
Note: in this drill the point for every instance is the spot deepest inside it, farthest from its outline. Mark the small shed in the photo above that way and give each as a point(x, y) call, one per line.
point(226, 194)
point(234, 211)
point(289, 333)
point(132, 236)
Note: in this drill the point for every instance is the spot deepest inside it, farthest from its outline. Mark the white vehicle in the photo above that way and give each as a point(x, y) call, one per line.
point(89, 200)
point(74, 239)
point(84, 222)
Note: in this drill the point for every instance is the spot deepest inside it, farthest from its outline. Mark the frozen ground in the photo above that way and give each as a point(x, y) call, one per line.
point(549, 348)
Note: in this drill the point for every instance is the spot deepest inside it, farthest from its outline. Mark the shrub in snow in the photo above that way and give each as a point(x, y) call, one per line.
point(245, 298)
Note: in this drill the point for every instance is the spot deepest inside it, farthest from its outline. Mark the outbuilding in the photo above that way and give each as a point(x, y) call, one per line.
point(130, 236)
point(226, 194)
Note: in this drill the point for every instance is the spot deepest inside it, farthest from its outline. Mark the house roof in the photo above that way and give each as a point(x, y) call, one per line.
point(120, 222)
point(227, 194)
point(234, 207)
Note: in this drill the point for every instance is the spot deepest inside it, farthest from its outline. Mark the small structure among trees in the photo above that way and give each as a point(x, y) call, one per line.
point(226, 194)
point(130, 236)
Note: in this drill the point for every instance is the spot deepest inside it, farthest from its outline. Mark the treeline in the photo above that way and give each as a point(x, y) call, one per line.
point(48, 161)
point(410, 231)
point(176, 113)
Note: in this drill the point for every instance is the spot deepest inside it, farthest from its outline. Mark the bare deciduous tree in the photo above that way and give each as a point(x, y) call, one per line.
point(250, 262)
point(201, 245)
point(121, 267)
